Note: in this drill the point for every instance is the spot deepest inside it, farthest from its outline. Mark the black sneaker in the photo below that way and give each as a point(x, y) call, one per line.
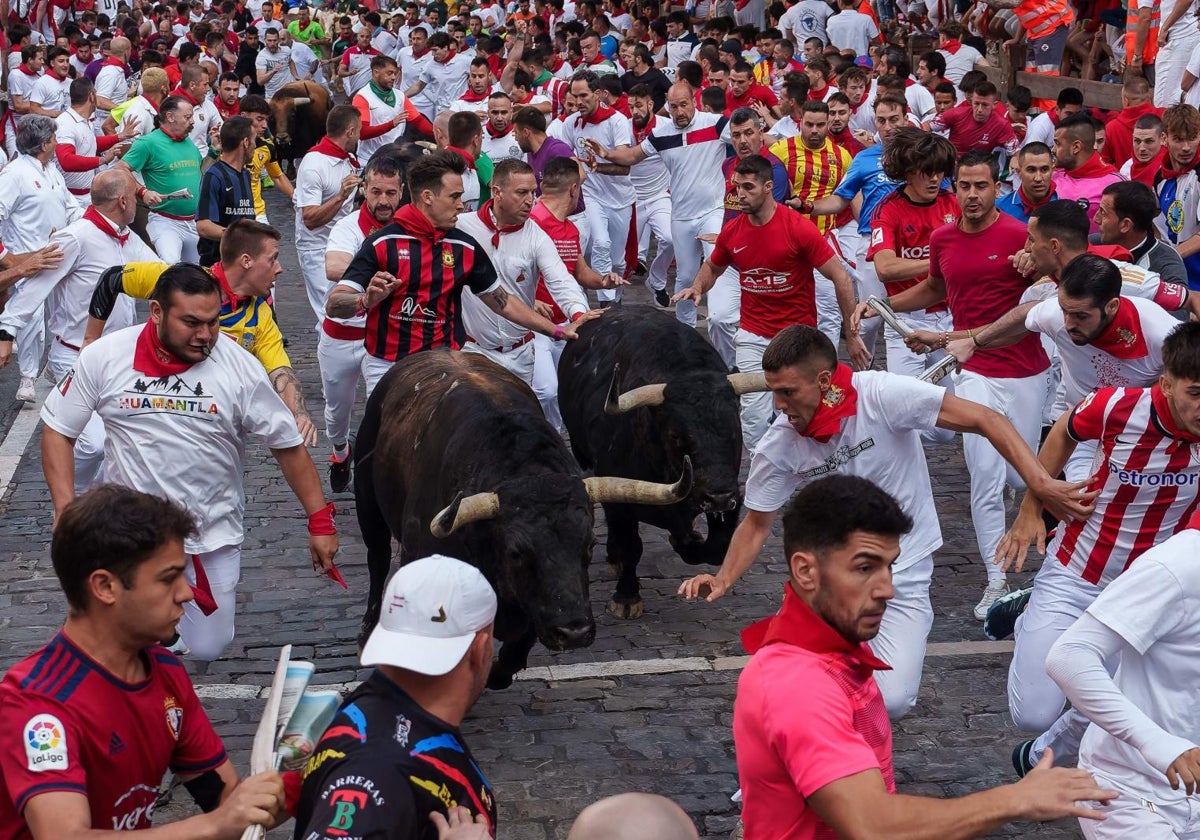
point(1020, 758)
point(641, 270)
point(662, 298)
point(339, 472)
point(1002, 615)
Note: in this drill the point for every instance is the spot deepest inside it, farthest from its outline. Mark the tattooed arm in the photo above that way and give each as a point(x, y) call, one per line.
point(516, 310)
point(287, 386)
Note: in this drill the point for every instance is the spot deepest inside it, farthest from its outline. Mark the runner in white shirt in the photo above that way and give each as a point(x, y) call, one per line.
point(80, 152)
point(306, 65)
point(177, 402)
point(806, 20)
point(266, 23)
point(206, 119)
point(652, 183)
point(692, 147)
point(499, 142)
point(340, 348)
point(445, 77)
point(851, 30)
point(866, 424)
point(413, 59)
point(354, 67)
point(112, 82)
point(89, 246)
point(521, 252)
point(1144, 738)
point(325, 184)
point(82, 56)
point(34, 202)
point(385, 111)
point(51, 94)
point(273, 65)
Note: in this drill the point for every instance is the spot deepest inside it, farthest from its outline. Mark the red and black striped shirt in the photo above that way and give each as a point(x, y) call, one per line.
point(424, 310)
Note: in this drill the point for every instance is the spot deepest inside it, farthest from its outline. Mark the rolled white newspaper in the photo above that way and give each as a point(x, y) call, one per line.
point(183, 193)
point(262, 754)
point(889, 317)
point(935, 373)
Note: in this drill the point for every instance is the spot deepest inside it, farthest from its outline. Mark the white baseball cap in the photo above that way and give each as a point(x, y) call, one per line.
point(431, 611)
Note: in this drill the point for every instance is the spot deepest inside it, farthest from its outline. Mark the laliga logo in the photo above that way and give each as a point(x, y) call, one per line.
point(45, 746)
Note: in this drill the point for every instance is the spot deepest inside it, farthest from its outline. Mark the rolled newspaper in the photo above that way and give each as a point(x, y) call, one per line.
point(935, 373)
point(889, 317)
point(183, 193)
point(262, 754)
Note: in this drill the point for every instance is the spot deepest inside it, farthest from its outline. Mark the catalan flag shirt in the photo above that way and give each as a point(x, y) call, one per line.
point(178, 435)
point(383, 765)
point(68, 725)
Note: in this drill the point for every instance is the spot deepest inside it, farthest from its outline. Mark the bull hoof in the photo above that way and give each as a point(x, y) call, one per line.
point(626, 611)
point(499, 679)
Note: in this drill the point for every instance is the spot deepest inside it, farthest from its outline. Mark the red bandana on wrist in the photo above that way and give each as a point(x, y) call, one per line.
point(93, 216)
point(488, 217)
point(797, 624)
point(151, 358)
point(838, 403)
point(416, 222)
point(367, 223)
point(1123, 337)
point(598, 116)
point(328, 147)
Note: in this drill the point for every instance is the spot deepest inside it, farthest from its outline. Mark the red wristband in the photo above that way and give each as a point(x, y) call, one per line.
point(293, 780)
point(576, 317)
point(558, 332)
point(320, 522)
point(139, 192)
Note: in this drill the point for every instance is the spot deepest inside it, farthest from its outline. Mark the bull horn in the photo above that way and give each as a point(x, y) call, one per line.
point(463, 511)
point(618, 403)
point(301, 100)
point(748, 383)
point(630, 491)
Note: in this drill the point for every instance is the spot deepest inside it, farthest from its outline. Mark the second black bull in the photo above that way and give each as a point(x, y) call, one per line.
point(639, 392)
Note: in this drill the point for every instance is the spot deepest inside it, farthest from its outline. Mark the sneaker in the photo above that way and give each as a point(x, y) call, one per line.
point(1020, 758)
point(25, 391)
point(339, 472)
point(1002, 615)
point(662, 298)
point(640, 269)
point(994, 591)
point(176, 646)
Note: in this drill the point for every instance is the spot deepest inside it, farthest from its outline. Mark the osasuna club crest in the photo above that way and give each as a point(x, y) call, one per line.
point(174, 716)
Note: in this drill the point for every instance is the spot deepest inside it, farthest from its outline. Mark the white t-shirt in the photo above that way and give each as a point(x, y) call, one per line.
point(346, 237)
point(806, 20)
point(446, 82)
point(1040, 130)
point(318, 179)
point(852, 30)
point(410, 71)
point(265, 26)
point(204, 117)
point(693, 156)
point(268, 60)
point(503, 147)
point(34, 202)
point(178, 436)
point(881, 441)
point(305, 61)
point(614, 191)
point(52, 93)
point(1155, 607)
point(959, 64)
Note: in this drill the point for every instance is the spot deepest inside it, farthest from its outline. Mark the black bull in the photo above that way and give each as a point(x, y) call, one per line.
point(678, 402)
point(298, 110)
point(455, 457)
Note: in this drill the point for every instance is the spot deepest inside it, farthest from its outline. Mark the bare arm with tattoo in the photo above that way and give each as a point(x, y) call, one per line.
point(287, 386)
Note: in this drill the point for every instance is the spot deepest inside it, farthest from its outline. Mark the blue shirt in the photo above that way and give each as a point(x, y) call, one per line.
point(866, 175)
point(608, 47)
point(1013, 206)
point(225, 197)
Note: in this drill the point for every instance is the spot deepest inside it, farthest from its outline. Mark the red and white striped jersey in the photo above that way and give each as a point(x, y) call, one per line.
point(1148, 474)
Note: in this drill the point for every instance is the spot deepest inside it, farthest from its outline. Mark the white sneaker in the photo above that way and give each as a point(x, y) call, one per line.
point(995, 589)
point(25, 391)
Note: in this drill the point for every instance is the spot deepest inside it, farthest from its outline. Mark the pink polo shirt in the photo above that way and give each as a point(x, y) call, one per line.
point(808, 712)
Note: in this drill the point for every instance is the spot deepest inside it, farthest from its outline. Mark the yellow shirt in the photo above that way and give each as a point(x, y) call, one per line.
point(264, 156)
point(250, 322)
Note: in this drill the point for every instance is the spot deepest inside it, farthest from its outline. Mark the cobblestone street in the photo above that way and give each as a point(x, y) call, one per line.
point(648, 707)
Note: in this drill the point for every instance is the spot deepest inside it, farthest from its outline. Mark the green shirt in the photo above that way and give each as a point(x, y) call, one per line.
point(340, 46)
point(484, 168)
point(313, 33)
point(168, 165)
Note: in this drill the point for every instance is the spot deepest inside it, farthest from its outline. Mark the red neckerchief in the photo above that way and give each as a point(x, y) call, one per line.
point(598, 116)
point(420, 54)
point(1168, 172)
point(598, 60)
point(838, 403)
point(493, 61)
point(153, 107)
point(228, 111)
point(640, 134)
point(1093, 167)
point(621, 106)
point(51, 72)
point(1162, 410)
point(1145, 172)
point(556, 64)
point(528, 98)
point(151, 358)
point(496, 135)
point(1030, 205)
point(1111, 252)
point(113, 61)
point(93, 216)
point(488, 217)
point(414, 221)
point(328, 147)
point(24, 68)
point(818, 95)
point(450, 55)
point(1123, 337)
point(952, 46)
point(465, 156)
point(367, 223)
point(179, 91)
point(218, 273)
point(797, 624)
point(472, 96)
point(846, 139)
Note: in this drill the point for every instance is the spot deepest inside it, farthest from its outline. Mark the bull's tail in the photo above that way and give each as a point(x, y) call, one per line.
point(376, 534)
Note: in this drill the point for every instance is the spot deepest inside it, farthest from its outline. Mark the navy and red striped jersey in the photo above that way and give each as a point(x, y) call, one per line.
point(424, 310)
point(68, 725)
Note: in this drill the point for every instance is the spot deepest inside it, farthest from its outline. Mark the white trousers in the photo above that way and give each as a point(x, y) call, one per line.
point(1131, 816)
point(654, 216)
point(31, 343)
point(518, 362)
point(904, 362)
point(610, 232)
point(1172, 60)
point(844, 241)
point(207, 636)
point(724, 314)
point(756, 408)
point(316, 286)
point(1020, 400)
point(89, 446)
point(690, 252)
point(902, 636)
point(373, 369)
point(867, 283)
point(546, 352)
point(175, 240)
point(340, 361)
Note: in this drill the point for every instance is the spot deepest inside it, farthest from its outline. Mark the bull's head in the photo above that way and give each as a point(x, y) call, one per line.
point(540, 539)
point(283, 109)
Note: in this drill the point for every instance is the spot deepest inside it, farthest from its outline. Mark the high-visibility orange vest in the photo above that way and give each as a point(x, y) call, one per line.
point(1041, 17)
point(1150, 50)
